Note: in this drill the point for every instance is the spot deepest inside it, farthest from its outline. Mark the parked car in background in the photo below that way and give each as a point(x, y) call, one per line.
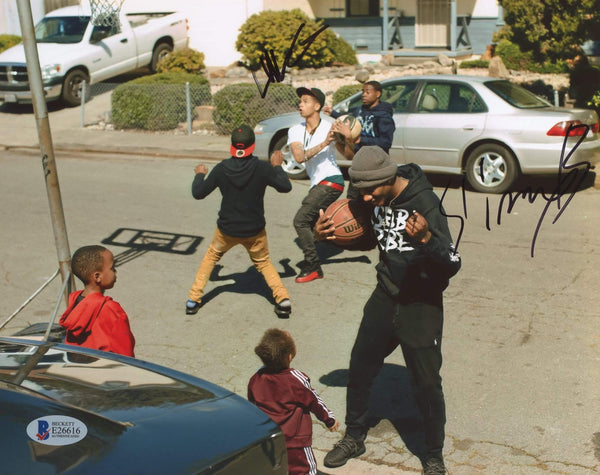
point(72, 50)
point(488, 129)
point(69, 409)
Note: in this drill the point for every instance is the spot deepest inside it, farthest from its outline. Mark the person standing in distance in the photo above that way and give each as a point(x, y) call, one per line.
point(312, 144)
point(377, 121)
point(416, 261)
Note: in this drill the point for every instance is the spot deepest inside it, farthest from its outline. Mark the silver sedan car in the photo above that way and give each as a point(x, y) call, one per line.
point(489, 129)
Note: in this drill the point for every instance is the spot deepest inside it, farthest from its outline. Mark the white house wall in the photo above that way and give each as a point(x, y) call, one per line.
point(485, 9)
point(9, 15)
point(304, 5)
point(215, 24)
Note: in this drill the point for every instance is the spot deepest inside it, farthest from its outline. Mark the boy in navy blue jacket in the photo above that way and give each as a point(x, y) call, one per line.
point(242, 180)
point(377, 121)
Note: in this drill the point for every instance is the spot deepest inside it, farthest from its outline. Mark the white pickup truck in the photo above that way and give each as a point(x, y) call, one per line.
point(72, 50)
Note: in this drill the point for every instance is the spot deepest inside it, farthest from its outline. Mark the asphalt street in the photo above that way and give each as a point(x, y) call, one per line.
point(521, 340)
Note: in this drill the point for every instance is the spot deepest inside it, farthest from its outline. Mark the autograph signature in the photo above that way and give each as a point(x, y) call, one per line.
point(268, 60)
point(569, 177)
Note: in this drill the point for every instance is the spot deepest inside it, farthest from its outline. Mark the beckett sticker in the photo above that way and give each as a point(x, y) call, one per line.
point(56, 430)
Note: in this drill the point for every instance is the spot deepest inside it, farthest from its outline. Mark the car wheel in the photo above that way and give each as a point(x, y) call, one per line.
point(160, 52)
point(295, 170)
point(491, 168)
point(72, 86)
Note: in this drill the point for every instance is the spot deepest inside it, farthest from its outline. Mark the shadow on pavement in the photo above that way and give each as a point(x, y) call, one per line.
point(248, 282)
point(20, 109)
point(391, 400)
point(96, 89)
point(141, 241)
point(327, 251)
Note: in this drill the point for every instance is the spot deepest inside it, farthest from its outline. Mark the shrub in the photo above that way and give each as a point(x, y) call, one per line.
point(274, 31)
point(474, 63)
point(237, 104)
point(345, 91)
point(342, 50)
point(549, 28)
point(595, 101)
point(8, 41)
point(514, 58)
point(186, 60)
point(157, 102)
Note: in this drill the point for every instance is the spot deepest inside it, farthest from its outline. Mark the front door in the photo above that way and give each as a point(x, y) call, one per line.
point(432, 28)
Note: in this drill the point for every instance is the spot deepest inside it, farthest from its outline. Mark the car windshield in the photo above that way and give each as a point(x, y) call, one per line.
point(516, 95)
point(61, 29)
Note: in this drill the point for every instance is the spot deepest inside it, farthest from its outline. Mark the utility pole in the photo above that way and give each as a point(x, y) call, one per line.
point(40, 109)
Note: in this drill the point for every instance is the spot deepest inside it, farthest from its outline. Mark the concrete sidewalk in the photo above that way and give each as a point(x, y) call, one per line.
point(19, 130)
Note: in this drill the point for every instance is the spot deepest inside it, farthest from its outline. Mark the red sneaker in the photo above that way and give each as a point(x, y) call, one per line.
point(309, 273)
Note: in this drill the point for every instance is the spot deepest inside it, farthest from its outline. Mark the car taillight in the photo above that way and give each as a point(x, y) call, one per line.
point(575, 128)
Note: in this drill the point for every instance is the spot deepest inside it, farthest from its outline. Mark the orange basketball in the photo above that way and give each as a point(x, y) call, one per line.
point(351, 220)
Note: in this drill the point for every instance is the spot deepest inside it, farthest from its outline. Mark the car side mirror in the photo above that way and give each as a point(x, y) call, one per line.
point(99, 33)
point(342, 108)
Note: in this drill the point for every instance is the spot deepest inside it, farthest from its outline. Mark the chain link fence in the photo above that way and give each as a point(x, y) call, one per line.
point(193, 109)
point(186, 108)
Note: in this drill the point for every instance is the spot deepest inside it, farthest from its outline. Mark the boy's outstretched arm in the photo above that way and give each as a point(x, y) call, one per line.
point(279, 178)
point(202, 185)
point(309, 397)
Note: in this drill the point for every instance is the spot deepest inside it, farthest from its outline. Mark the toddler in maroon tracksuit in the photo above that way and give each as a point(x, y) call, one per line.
point(286, 396)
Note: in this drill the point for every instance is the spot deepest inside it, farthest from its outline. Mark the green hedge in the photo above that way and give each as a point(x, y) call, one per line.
point(274, 31)
point(514, 58)
point(238, 104)
point(157, 102)
point(474, 63)
point(345, 91)
point(342, 50)
point(185, 60)
point(8, 41)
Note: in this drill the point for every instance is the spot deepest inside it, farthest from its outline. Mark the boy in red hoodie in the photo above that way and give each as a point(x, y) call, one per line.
point(91, 319)
point(286, 396)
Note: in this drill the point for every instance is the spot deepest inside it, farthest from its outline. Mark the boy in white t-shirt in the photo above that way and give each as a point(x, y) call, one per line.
point(312, 143)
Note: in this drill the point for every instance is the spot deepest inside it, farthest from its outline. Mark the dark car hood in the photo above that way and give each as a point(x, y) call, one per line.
point(180, 423)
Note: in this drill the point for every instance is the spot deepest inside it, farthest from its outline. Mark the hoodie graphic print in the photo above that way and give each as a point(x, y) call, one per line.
point(415, 275)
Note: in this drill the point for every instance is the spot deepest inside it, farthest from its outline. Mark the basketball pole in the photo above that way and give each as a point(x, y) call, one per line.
point(40, 109)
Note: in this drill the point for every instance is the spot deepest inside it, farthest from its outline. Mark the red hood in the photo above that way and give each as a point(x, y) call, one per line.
point(79, 320)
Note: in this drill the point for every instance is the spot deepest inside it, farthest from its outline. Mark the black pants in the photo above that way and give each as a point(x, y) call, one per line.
point(318, 197)
point(376, 339)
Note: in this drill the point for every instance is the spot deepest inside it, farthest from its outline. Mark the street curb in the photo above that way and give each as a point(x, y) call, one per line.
point(151, 152)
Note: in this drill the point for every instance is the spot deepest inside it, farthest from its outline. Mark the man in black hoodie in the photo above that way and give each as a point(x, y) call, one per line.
point(242, 180)
point(416, 260)
point(377, 121)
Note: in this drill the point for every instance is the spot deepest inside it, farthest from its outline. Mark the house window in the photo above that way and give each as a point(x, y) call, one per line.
point(362, 8)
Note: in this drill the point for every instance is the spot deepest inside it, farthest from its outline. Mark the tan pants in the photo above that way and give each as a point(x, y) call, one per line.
point(258, 250)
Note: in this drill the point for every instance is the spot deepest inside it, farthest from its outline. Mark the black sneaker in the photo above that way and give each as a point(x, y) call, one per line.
point(434, 466)
point(283, 308)
point(192, 307)
point(344, 450)
point(309, 273)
